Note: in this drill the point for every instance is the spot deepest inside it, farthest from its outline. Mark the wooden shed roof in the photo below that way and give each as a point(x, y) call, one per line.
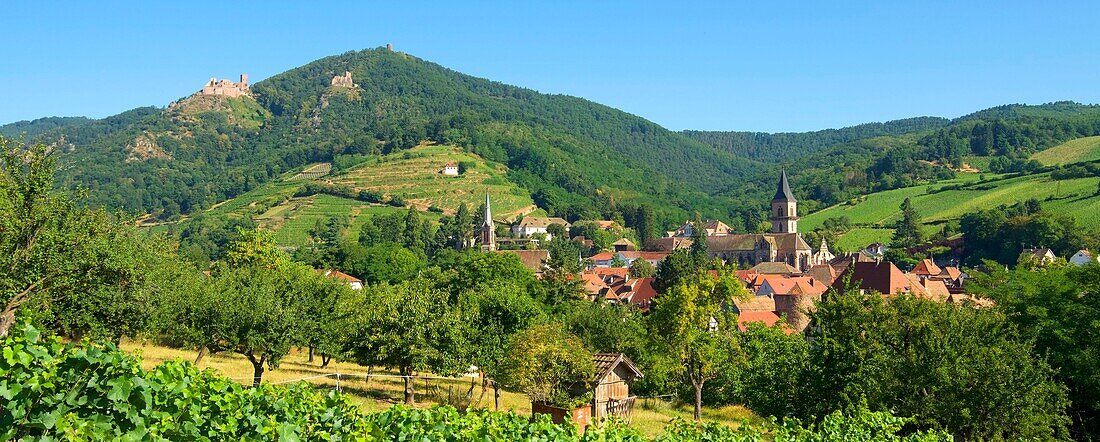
point(606, 363)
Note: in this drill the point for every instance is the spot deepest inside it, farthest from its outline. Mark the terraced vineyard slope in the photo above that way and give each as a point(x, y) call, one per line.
point(412, 176)
point(874, 215)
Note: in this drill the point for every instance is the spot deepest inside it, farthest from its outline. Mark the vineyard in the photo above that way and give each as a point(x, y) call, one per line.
point(86, 392)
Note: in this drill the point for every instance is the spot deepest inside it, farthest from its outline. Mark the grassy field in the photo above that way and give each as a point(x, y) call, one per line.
point(1072, 151)
point(949, 200)
point(380, 393)
point(859, 237)
point(414, 176)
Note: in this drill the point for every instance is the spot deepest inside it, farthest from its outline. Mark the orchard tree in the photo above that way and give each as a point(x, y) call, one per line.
point(691, 325)
point(959, 368)
point(549, 365)
point(497, 311)
point(411, 327)
point(85, 271)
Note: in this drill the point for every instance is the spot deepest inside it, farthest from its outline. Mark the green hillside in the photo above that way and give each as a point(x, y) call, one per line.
point(412, 176)
point(1073, 151)
point(949, 200)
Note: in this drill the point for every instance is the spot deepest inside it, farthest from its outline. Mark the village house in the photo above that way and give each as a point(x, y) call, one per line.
point(532, 259)
point(531, 225)
point(353, 282)
point(627, 257)
point(623, 245)
point(712, 227)
point(450, 169)
point(1040, 256)
point(875, 250)
point(1083, 257)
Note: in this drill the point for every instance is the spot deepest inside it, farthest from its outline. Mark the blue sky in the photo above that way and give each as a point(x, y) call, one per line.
point(765, 66)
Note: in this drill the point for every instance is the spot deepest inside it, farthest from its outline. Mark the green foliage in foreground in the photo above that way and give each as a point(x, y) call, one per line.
point(84, 392)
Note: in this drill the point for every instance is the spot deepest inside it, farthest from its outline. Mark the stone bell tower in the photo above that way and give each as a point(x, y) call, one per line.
point(784, 213)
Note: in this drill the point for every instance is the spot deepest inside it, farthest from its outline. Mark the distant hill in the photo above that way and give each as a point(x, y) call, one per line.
point(38, 126)
point(792, 145)
point(874, 215)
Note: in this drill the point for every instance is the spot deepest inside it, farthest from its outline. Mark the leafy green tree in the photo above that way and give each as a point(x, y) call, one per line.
point(257, 311)
point(962, 369)
point(679, 267)
point(497, 311)
point(474, 269)
point(907, 232)
point(550, 366)
point(411, 327)
point(641, 268)
point(84, 270)
point(384, 262)
point(1057, 308)
point(691, 326)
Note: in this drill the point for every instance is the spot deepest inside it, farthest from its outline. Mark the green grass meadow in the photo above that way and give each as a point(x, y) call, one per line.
point(1073, 151)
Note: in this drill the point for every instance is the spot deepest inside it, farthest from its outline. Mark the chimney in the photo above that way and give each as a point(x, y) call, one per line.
point(244, 80)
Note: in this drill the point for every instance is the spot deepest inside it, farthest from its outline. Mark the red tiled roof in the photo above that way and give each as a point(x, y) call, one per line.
point(670, 243)
point(603, 256)
point(532, 259)
point(643, 293)
point(823, 272)
point(768, 318)
point(882, 277)
point(927, 268)
point(951, 272)
point(620, 272)
point(336, 274)
point(936, 289)
point(756, 304)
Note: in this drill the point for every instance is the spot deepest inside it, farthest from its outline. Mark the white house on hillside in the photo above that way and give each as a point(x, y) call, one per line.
point(1082, 257)
point(531, 225)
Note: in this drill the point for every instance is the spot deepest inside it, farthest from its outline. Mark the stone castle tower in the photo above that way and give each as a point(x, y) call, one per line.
point(344, 80)
point(226, 87)
point(488, 229)
point(784, 213)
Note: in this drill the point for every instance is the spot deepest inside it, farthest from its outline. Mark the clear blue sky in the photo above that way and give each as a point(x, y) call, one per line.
point(722, 65)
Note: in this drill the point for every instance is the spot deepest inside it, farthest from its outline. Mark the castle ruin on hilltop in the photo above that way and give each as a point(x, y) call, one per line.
point(344, 81)
point(226, 88)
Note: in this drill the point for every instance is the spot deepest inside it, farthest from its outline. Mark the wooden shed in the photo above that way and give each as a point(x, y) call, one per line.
point(614, 374)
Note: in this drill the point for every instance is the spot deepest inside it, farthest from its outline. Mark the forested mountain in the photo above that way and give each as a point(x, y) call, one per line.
point(571, 154)
point(765, 146)
point(39, 125)
point(575, 158)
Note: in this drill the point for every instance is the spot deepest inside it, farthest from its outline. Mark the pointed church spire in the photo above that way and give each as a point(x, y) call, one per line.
point(488, 213)
point(783, 191)
point(488, 229)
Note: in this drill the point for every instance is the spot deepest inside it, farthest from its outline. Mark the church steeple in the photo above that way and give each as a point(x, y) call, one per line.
point(783, 191)
point(488, 229)
point(784, 213)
